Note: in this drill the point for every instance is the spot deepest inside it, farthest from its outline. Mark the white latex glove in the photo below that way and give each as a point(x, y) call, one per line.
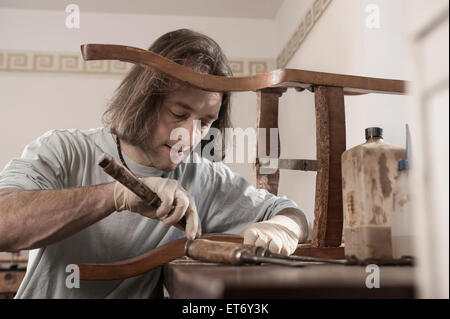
point(176, 202)
point(280, 234)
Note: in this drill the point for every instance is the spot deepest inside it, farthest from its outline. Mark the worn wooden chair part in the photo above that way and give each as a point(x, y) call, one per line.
point(165, 253)
point(329, 90)
point(145, 262)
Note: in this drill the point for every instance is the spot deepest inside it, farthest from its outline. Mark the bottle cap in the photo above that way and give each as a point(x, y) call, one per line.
point(374, 132)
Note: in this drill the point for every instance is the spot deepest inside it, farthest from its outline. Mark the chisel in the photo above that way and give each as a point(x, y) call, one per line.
point(237, 254)
point(121, 174)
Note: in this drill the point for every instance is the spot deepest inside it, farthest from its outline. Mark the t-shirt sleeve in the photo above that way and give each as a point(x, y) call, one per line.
point(230, 203)
point(40, 166)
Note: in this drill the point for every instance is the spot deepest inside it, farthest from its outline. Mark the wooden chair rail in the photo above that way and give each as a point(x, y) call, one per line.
point(293, 164)
point(278, 78)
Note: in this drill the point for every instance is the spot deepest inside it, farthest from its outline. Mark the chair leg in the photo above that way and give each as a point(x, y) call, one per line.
point(267, 117)
point(331, 143)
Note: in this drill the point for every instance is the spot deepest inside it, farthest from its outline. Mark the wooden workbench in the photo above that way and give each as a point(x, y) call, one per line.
point(189, 279)
point(12, 271)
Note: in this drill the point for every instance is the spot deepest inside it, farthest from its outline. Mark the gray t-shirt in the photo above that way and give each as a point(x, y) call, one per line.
point(62, 159)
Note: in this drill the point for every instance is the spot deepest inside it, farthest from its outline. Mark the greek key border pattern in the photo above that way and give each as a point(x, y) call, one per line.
point(248, 67)
point(306, 24)
point(72, 63)
point(44, 62)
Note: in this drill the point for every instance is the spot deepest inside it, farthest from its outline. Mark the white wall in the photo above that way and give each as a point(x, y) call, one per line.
point(46, 31)
point(32, 103)
point(287, 19)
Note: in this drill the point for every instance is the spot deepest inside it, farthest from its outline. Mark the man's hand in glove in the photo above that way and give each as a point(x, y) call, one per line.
point(176, 202)
point(280, 234)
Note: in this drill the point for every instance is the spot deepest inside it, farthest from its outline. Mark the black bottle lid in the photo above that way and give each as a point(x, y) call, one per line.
point(372, 132)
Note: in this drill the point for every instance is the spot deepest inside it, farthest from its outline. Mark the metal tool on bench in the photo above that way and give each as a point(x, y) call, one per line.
point(237, 254)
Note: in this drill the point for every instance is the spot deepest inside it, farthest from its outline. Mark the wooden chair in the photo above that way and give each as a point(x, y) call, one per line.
point(328, 89)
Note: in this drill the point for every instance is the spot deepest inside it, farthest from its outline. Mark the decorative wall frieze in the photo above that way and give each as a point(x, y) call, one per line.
point(248, 67)
point(62, 62)
point(57, 62)
point(301, 32)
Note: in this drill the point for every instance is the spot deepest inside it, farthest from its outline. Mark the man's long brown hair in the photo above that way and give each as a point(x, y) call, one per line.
point(134, 108)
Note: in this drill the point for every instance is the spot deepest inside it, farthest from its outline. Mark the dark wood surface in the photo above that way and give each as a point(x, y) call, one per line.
point(267, 118)
point(189, 279)
point(12, 271)
point(297, 164)
point(308, 250)
point(331, 143)
point(10, 280)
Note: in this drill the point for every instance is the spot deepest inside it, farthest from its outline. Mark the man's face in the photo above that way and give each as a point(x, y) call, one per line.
point(185, 117)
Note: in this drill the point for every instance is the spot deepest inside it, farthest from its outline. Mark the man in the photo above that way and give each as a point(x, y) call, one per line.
point(56, 201)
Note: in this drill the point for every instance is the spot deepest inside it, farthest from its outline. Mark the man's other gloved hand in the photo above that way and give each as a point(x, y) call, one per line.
point(280, 234)
point(176, 202)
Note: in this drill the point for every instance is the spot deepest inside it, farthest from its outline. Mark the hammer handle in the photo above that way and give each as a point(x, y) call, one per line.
point(121, 174)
